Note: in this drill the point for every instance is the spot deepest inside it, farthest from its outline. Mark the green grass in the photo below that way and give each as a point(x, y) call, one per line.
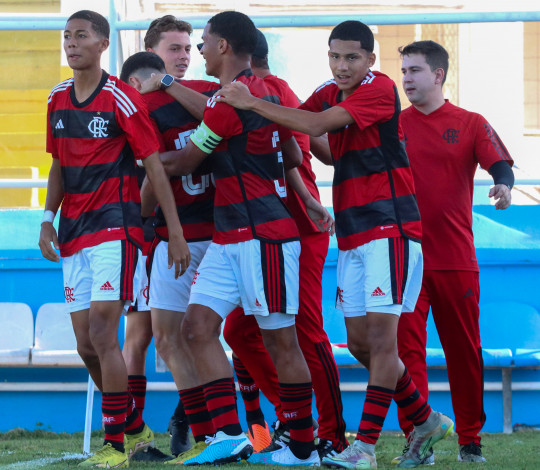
point(21, 450)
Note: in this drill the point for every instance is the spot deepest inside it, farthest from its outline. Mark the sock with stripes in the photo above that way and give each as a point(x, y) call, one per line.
point(197, 414)
point(113, 408)
point(221, 403)
point(134, 421)
point(296, 400)
point(249, 392)
point(375, 409)
point(137, 388)
point(409, 400)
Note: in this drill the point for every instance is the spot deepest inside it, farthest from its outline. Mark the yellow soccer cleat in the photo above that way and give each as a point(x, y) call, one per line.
point(188, 454)
point(107, 457)
point(136, 442)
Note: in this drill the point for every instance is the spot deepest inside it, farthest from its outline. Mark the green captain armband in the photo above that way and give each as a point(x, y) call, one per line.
point(205, 139)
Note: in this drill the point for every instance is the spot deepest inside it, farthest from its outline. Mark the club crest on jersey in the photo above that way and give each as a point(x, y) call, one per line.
point(98, 127)
point(451, 136)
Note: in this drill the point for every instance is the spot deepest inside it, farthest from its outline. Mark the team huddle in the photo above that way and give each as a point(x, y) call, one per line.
point(191, 206)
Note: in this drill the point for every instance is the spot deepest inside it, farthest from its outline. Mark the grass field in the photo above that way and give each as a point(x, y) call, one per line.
point(21, 450)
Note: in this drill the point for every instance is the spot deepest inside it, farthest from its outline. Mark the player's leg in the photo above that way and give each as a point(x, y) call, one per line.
point(214, 294)
point(316, 347)
point(456, 314)
point(412, 340)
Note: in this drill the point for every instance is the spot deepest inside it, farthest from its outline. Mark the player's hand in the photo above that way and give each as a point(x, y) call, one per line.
point(236, 94)
point(179, 254)
point(320, 216)
point(502, 196)
point(47, 239)
point(151, 84)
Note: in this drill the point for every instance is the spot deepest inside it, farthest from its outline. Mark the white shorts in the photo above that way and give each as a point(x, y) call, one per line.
point(100, 273)
point(166, 292)
point(140, 286)
point(261, 277)
point(384, 275)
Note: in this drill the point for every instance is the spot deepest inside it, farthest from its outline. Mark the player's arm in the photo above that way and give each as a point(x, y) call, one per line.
point(178, 249)
point(148, 199)
point(55, 196)
point(320, 149)
point(316, 211)
point(503, 178)
point(193, 101)
point(292, 154)
point(238, 95)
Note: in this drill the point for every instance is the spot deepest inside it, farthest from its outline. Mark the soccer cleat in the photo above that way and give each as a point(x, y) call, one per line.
point(137, 442)
point(179, 432)
point(354, 457)
point(428, 460)
point(151, 454)
point(107, 457)
point(471, 452)
point(223, 448)
point(325, 448)
point(437, 427)
point(285, 458)
point(188, 454)
point(259, 436)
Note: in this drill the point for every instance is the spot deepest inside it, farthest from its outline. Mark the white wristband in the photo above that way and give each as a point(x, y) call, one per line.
point(48, 216)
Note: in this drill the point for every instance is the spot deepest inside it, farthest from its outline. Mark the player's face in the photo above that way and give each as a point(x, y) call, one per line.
point(420, 83)
point(174, 48)
point(349, 64)
point(83, 46)
point(210, 50)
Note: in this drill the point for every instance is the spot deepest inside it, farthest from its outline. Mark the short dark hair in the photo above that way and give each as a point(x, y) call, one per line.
point(162, 25)
point(99, 23)
point(139, 61)
point(237, 29)
point(353, 30)
point(435, 54)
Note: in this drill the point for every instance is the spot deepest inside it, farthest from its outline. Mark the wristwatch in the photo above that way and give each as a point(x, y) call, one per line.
point(166, 81)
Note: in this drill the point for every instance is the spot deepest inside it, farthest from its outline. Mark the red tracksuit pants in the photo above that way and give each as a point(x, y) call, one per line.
point(453, 297)
point(243, 336)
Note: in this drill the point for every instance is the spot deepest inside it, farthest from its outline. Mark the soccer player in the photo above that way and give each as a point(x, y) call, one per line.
point(96, 127)
point(253, 259)
point(194, 197)
point(250, 359)
point(169, 38)
point(378, 230)
point(445, 144)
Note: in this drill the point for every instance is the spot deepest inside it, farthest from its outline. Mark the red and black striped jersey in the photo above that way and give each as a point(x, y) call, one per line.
point(445, 148)
point(373, 189)
point(288, 98)
point(97, 142)
point(248, 171)
point(194, 194)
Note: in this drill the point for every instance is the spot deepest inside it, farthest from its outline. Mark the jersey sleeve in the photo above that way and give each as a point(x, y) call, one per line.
point(51, 141)
point(132, 116)
point(372, 102)
point(488, 147)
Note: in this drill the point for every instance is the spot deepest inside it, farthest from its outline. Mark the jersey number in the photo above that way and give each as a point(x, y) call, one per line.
point(281, 190)
point(187, 181)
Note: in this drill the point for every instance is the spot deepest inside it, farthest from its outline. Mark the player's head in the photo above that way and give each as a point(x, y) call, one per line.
point(436, 55)
point(140, 67)
point(169, 38)
point(350, 54)
point(259, 58)
point(423, 66)
point(229, 33)
point(86, 36)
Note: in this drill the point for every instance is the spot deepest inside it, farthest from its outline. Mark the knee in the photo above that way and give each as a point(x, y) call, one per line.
point(102, 337)
point(88, 355)
point(194, 332)
point(360, 351)
point(165, 342)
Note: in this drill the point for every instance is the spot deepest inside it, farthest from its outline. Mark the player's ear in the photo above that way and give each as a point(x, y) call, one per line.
point(439, 76)
point(372, 58)
point(104, 45)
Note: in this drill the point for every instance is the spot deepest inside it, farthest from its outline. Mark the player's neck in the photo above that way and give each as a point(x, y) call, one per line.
point(231, 69)
point(260, 72)
point(430, 105)
point(85, 82)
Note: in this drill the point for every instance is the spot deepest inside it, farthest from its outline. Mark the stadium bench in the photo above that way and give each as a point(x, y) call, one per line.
point(16, 334)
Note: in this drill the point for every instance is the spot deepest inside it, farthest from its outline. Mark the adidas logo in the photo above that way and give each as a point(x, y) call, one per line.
point(377, 293)
point(257, 303)
point(59, 124)
point(469, 293)
point(106, 286)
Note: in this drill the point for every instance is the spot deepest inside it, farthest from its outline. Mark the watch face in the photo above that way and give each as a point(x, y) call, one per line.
point(167, 80)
